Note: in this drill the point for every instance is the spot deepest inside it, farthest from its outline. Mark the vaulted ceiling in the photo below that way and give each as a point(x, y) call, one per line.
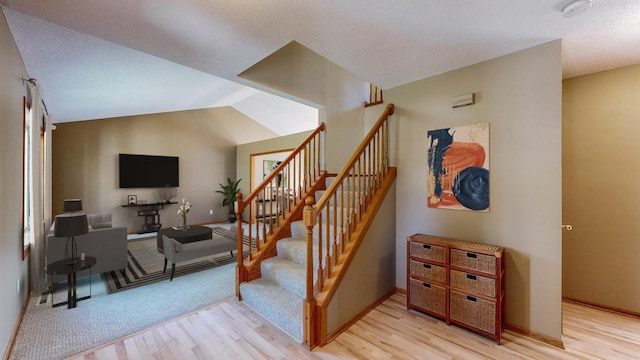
point(99, 59)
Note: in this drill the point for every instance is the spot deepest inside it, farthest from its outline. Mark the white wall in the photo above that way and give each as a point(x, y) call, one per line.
point(520, 95)
point(12, 267)
point(282, 116)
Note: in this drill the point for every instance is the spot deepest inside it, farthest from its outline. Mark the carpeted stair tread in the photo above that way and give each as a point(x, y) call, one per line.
point(285, 273)
point(298, 230)
point(276, 304)
point(295, 249)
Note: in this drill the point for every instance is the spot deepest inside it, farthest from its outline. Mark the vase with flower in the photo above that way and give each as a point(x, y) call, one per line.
point(183, 210)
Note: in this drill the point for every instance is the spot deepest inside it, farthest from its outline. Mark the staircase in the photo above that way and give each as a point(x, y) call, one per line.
point(280, 292)
point(299, 257)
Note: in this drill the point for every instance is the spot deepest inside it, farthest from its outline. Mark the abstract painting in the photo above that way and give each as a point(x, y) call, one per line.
point(458, 168)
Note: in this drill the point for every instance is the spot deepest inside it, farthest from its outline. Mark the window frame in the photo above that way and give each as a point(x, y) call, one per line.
point(27, 178)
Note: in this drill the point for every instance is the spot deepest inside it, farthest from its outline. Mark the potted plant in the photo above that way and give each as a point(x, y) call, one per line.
point(229, 191)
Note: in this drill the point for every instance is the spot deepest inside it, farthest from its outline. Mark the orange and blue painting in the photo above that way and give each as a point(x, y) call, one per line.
point(458, 168)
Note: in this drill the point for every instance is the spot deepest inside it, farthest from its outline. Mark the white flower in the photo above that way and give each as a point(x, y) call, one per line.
point(184, 208)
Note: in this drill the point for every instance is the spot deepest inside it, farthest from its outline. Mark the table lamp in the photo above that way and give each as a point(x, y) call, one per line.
point(70, 226)
point(71, 205)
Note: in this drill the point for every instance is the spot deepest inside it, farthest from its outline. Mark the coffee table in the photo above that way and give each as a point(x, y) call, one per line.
point(192, 234)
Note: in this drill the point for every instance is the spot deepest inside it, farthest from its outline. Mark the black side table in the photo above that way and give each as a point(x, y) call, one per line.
point(64, 267)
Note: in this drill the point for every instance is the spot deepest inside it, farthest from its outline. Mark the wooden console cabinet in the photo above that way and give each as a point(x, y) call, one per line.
point(458, 281)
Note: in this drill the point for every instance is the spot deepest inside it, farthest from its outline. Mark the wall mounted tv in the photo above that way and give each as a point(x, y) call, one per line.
point(148, 171)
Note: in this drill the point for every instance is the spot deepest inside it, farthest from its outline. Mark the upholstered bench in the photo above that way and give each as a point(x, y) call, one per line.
point(175, 251)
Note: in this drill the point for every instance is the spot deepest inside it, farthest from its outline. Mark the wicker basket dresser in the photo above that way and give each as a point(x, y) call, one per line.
point(458, 281)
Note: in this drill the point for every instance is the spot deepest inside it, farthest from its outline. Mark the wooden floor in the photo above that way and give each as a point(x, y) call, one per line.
point(231, 330)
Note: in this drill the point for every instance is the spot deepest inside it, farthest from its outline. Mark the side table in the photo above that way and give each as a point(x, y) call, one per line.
point(71, 269)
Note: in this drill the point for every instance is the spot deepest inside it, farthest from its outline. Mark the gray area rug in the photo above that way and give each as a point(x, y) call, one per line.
point(145, 264)
point(55, 333)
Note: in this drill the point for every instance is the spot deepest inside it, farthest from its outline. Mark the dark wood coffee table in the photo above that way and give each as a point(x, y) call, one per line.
point(192, 234)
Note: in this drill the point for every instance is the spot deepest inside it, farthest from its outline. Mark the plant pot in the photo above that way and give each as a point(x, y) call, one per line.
point(232, 218)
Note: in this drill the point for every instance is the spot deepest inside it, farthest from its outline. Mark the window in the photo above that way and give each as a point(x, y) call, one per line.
point(27, 180)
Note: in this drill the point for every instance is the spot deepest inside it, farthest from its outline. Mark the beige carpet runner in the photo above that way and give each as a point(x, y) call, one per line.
point(145, 264)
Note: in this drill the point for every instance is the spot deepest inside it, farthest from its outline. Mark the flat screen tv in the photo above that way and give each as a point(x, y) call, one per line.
point(148, 171)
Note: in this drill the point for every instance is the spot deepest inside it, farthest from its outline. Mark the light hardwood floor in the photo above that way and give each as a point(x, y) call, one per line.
point(231, 330)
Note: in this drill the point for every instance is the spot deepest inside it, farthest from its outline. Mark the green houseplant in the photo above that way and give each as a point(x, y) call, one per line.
point(229, 191)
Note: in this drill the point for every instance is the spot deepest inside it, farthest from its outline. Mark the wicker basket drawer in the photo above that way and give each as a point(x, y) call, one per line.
point(476, 312)
point(428, 252)
point(428, 296)
point(473, 261)
point(428, 271)
point(473, 283)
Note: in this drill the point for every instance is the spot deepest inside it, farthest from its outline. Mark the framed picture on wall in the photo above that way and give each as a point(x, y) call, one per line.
point(458, 168)
point(132, 199)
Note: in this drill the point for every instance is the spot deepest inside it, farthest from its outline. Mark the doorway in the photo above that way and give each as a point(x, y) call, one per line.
point(601, 195)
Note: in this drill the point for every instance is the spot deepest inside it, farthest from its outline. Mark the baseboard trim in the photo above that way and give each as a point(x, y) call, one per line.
point(534, 335)
point(360, 315)
point(16, 327)
point(611, 309)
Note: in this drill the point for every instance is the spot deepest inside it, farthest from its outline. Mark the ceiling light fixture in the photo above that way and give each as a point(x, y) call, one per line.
point(575, 8)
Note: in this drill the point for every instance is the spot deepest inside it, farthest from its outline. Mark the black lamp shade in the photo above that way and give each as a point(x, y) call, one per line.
point(71, 225)
point(72, 205)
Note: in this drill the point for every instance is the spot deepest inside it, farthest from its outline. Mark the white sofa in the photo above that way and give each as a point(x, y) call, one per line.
point(107, 244)
point(175, 251)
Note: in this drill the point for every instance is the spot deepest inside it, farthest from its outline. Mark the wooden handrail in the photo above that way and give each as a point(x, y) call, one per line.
point(332, 223)
point(356, 155)
point(375, 96)
point(284, 163)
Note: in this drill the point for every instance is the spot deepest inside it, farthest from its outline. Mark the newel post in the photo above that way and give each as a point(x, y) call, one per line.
point(309, 307)
point(241, 272)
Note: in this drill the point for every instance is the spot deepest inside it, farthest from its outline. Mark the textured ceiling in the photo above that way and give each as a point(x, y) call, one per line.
point(149, 47)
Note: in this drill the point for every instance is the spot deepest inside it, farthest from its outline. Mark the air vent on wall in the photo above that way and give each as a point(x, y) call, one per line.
point(463, 100)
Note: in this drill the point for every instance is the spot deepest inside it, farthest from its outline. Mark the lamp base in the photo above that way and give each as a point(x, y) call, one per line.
point(71, 258)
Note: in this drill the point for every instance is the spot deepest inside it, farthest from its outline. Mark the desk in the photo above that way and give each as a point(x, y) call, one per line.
point(193, 233)
point(62, 267)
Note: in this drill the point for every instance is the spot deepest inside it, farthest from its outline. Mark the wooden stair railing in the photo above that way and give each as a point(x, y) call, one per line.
point(375, 96)
point(338, 214)
point(275, 203)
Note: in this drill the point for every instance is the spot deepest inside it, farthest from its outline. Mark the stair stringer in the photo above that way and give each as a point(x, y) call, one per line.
point(332, 319)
